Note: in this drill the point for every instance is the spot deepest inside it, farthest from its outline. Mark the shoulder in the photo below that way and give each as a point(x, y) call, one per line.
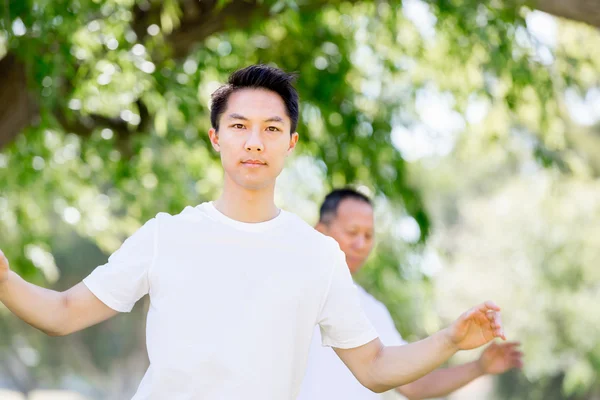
point(189, 213)
point(309, 236)
point(380, 317)
point(368, 298)
point(375, 308)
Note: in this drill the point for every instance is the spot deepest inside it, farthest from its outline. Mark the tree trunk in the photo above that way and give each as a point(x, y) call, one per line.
point(587, 11)
point(17, 107)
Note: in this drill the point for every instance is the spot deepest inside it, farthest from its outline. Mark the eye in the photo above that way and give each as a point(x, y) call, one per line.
point(237, 126)
point(273, 129)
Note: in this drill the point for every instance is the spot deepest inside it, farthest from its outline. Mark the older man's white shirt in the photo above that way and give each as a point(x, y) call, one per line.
point(327, 378)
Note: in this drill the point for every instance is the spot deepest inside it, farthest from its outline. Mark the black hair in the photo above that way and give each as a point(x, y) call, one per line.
point(331, 204)
point(257, 76)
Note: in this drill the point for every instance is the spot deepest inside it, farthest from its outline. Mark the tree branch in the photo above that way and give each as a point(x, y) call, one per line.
point(587, 11)
point(200, 19)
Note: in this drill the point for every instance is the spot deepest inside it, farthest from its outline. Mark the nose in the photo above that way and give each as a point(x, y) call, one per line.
point(359, 242)
point(254, 141)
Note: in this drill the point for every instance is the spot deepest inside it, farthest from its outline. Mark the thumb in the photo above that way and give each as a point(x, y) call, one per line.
point(461, 325)
point(467, 315)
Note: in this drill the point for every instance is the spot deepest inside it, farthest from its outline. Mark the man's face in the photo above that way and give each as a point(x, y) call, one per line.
point(253, 138)
point(353, 228)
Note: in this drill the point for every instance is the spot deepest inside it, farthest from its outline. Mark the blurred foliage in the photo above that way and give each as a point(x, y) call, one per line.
point(533, 247)
point(526, 237)
point(122, 90)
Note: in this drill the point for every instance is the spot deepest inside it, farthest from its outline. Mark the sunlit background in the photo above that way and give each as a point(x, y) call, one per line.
point(474, 125)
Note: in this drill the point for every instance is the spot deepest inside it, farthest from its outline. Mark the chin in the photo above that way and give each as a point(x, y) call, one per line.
point(249, 182)
point(354, 268)
point(254, 185)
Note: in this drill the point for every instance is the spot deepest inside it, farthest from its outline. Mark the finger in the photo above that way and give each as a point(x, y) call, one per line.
point(498, 324)
point(469, 313)
point(477, 315)
point(495, 325)
point(497, 319)
point(488, 305)
point(508, 347)
point(499, 332)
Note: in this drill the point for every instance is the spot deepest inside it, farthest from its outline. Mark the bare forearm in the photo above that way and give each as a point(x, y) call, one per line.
point(398, 365)
point(442, 382)
point(41, 308)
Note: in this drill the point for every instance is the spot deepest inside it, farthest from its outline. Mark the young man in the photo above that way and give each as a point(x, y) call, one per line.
point(236, 285)
point(347, 216)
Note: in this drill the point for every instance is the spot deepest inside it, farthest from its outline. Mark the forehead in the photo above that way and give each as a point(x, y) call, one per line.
point(357, 212)
point(256, 104)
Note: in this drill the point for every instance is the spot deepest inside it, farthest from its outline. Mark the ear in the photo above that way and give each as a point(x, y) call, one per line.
point(293, 142)
point(214, 139)
point(321, 227)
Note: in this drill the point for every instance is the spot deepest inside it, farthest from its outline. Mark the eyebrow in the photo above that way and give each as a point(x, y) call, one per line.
point(274, 119)
point(239, 116)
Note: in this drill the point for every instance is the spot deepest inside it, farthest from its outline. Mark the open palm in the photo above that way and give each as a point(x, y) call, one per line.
point(501, 357)
point(477, 326)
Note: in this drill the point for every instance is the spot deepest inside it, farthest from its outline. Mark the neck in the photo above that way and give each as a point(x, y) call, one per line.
point(247, 205)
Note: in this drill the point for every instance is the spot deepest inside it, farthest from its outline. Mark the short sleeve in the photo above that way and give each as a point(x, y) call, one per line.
point(123, 280)
point(342, 321)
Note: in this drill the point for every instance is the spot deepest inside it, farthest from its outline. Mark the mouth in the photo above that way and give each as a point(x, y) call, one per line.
point(254, 163)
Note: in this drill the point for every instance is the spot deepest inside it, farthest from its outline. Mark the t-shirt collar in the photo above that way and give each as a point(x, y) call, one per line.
point(212, 211)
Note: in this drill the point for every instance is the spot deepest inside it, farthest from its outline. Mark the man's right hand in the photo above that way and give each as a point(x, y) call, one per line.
point(4, 268)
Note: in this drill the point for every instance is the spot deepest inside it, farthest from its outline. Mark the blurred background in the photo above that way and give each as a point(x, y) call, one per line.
point(475, 125)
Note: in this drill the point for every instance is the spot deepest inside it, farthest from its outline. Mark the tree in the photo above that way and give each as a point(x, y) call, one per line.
point(185, 24)
point(105, 108)
point(139, 72)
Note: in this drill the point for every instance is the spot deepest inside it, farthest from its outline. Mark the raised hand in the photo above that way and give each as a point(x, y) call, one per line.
point(498, 358)
point(477, 326)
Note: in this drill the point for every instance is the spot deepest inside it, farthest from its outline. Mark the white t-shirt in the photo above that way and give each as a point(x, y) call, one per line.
point(327, 378)
point(233, 305)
